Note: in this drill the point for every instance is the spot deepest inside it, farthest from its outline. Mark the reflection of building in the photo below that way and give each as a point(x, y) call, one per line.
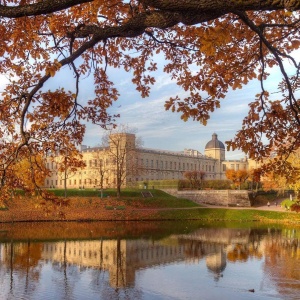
point(149, 164)
point(216, 263)
point(28, 263)
point(121, 258)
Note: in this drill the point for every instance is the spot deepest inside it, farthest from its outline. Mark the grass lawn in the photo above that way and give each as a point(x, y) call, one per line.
point(87, 205)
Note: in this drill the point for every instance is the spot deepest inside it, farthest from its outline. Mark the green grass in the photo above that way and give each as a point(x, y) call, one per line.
point(232, 215)
point(132, 199)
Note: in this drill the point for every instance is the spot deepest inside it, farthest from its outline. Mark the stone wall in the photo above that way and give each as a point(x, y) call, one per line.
point(215, 197)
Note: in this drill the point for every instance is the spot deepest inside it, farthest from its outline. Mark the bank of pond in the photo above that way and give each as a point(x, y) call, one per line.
point(149, 260)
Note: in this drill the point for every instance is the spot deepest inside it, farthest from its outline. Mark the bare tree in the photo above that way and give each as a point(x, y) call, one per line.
point(68, 163)
point(123, 155)
point(195, 178)
point(100, 169)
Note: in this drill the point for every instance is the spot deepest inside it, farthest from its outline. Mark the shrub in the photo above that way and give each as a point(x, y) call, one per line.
point(217, 184)
point(287, 203)
point(295, 207)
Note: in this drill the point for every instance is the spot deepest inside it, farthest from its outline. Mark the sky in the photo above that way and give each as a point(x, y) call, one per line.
point(158, 128)
point(161, 129)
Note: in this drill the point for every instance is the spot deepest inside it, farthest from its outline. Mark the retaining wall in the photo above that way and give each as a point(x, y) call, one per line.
point(215, 197)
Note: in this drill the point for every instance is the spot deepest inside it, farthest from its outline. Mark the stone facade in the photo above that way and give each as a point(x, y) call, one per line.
point(228, 198)
point(143, 164)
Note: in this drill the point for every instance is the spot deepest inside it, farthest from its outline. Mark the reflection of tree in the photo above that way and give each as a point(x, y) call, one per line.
point(243, 251)
point(193, 250)
point(63, 273)
point(282, 263)
point(238, 253)
point(23, 261)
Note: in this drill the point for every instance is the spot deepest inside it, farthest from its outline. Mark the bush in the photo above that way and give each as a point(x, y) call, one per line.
point(295, 207)
point(217, 184)
point(183, 184)
point(157, 184)
point(287, 204)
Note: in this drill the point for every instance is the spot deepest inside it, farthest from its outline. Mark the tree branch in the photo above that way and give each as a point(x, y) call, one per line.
point(39, 8)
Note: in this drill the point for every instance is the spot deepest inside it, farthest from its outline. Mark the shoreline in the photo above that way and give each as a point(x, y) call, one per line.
point(115, 214)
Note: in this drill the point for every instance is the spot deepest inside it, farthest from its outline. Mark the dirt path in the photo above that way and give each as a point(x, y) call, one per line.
point(272, 207)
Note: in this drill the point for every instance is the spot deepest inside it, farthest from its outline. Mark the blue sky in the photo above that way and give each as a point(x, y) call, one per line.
point(160, 129)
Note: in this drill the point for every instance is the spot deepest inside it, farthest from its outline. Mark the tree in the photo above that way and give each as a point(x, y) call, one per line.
point(195, 178)
point(281, 182)
point(272, 181)
point(255, 178)
point(100, 169)
point(294, 183)
point(237, 176)
point(26, 169)
point(69, 161)
point(123, 155)
point(209, 48)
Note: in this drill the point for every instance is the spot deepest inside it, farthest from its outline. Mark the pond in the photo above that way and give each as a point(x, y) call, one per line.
point(148, 260)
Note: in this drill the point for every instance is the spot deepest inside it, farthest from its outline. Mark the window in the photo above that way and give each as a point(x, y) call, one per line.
point(224, 168)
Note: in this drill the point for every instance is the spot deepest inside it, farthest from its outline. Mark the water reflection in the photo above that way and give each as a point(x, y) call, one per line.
point(113, 268)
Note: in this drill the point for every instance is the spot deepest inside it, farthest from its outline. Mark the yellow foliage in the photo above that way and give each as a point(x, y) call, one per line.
point(206, 49)
point(30, 172)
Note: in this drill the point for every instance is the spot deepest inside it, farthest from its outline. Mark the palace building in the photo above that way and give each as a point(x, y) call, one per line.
point(122, 157)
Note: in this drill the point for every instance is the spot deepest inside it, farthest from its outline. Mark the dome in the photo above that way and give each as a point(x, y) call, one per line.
point(214, 143)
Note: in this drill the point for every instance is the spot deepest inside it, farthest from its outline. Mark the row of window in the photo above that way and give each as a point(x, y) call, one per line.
point(91, 163)
point(174, 165)
point(167, 165)
point(85, 181)
point(234, 167)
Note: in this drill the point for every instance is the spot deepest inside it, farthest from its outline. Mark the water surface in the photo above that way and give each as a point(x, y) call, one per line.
point(157, 260)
